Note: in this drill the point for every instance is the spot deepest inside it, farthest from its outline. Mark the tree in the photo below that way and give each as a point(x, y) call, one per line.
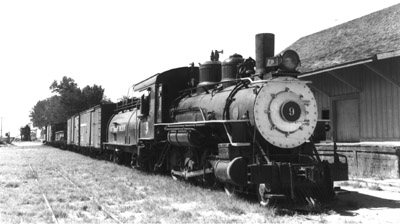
point(38, 114)
point(66, 84)
point(55, 110)
point(70, 95)
point(92, 95)
point(48, 111)
point(69, 100)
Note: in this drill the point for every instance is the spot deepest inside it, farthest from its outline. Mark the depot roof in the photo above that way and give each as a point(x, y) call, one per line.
point(371, 37)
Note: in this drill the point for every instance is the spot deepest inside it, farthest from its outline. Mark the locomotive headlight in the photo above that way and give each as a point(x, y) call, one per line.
point(290, 60)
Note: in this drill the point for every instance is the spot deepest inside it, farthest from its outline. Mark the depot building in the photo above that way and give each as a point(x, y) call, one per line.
point(355, 73)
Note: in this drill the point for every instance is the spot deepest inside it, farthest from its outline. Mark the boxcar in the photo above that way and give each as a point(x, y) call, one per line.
point(87, 129)
point(56, 135)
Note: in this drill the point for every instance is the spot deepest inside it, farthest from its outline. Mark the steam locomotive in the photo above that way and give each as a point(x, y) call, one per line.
point(222, 123)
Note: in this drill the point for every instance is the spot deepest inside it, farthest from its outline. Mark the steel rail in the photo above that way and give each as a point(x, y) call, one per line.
point(43, 195)
point(102, 208)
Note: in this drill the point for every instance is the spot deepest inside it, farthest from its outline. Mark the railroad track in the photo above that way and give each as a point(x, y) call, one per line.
point(35, 175)
point(86, 193)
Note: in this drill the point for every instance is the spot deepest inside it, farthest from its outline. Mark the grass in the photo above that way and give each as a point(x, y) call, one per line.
point(358, 184)
point(31, 175)
point(374, 187)
point(354, 184)
point(12, 184)
point(130, 195)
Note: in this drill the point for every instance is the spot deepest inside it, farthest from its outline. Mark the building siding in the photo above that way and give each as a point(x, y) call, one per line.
point(323, 102)
point(379, 99)
point(380, 104)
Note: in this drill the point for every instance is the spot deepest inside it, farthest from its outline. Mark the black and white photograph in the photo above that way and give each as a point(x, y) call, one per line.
point(177, 111)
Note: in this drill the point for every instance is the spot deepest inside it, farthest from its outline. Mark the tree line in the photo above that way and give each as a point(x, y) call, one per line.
point(68, 100)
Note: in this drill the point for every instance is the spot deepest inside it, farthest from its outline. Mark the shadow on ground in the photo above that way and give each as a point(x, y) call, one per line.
point(349, 201)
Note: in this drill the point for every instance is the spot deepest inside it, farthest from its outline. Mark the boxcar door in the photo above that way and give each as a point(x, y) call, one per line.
point(96, 127)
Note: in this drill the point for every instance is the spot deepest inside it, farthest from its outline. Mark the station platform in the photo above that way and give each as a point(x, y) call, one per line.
point(371, 160)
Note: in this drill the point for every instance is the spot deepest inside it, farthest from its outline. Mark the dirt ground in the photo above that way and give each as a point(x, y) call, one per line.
point(372, 201)
point(362, 205)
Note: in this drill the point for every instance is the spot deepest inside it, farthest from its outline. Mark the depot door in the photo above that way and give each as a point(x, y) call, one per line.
point(347, 120)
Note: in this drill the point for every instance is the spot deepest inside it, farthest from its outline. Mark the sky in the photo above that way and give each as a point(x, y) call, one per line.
point(118, 43)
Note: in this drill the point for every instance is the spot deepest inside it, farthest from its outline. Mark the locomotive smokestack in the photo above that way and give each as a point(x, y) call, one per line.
point(265, 47)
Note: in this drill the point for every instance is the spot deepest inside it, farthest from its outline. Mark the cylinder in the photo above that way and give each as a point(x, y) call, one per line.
point(265, 47)
point(233, 172)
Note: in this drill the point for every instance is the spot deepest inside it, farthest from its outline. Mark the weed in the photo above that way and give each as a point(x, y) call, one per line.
point(80, 214)
point(31, 175)
point(61, 200)
point(228, 208)
point(138, 196)
point(110, 203)
point(12, 184)
point(30, 200)
point(151, 219)
point(352, 222)
point(185, 216)
point(322, 219)
point(84, 198)
point(74, 197)
point(379, 177)
point(356, 185)
point(60, 214)
point(375, 187)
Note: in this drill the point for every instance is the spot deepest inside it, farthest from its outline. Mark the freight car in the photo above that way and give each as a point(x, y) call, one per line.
point(87, 129)
point(223, 123)
point(56, 135)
